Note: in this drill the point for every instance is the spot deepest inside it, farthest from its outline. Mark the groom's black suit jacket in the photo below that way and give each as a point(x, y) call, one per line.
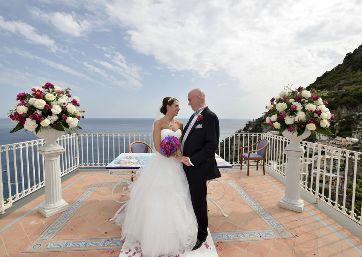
point(200, 146)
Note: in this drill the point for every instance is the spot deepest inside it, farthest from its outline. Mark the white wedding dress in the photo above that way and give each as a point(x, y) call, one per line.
point(159, 214)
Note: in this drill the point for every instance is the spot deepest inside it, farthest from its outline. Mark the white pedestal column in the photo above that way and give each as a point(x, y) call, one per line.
point(294, 152)
point(51, 151)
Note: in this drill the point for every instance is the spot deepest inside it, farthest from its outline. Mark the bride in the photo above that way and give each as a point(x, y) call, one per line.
point(159, 214)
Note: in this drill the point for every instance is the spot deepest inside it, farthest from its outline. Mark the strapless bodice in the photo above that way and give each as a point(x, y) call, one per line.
point(169, 132)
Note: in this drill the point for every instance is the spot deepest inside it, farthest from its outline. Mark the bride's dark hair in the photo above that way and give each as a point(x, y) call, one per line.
point(167, 101)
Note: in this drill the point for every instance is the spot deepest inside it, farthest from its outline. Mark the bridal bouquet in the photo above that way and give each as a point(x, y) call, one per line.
point(48, 106)
point(170, 145)
point(298, 110)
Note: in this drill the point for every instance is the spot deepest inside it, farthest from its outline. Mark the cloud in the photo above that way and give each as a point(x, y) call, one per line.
point(96, 69)
point(65, 22)
point(52, 64)
point(28, 32)
point(126, 74)
point(261, 44)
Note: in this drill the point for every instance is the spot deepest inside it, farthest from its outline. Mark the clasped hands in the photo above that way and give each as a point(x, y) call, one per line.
point(183, 159)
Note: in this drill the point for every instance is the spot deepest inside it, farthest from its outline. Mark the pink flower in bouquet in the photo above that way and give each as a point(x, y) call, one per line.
point(21, 96)
point(46, 106)
point(169, 145)
point(297, 110)
point(48, 85)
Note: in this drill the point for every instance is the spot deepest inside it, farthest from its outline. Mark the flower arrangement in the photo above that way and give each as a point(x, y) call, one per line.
point(170, 145)
point(48, 106)
point(298, 110)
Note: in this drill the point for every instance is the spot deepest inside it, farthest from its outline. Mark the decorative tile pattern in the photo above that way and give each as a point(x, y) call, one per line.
point(66, 216)
point(244, 235)
point(278, 228)
point(45, 242)
point(77, 245)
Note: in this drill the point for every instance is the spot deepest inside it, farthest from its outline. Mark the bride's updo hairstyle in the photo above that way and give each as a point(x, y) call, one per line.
point(167, 101)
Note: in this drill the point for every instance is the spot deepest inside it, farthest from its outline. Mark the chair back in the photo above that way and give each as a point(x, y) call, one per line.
point(139, 147)
point(262, 144)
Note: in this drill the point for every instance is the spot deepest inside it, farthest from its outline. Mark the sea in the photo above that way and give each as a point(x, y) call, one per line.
point(104, 125)
point(112, 125)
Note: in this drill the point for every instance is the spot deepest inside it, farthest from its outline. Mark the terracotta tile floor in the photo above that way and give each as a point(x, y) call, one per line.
point(255, 226)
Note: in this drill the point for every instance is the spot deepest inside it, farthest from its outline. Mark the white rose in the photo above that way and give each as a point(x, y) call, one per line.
point(71, 108)
point(323, 108)
point(281, 107)
point(31, 101)
point(324, 123)
point(310, 107)
point(291, 100)
point(39, 104)
point(273, 117)
point(56, 109)
point(311, 126)
point(49, 97)
point(329, 115)
point(21, 109)
point(324, 115)
point(30, 125)
point(45, 123)
point(289, 120)
point(319, 101)
point(53, 119)
point(276, 125)
point(72, 122)
point(306, 94)
point(301, 116)
point(283, 93)
point(56, 88)
point(268, 107)
point(63, 100)
point(267, 120)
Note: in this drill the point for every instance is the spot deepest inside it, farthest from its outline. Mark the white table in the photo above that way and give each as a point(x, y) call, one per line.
point(129, 162)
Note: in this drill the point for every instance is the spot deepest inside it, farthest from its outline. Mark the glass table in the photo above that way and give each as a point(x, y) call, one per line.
point(128, 163)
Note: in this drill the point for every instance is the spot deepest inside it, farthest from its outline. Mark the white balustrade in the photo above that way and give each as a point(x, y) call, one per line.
point(329, 174)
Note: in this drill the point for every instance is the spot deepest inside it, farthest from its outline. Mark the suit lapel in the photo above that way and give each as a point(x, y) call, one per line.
point(193, 126)
point(187, 125)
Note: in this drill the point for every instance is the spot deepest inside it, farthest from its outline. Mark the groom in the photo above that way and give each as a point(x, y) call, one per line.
point(200, 139)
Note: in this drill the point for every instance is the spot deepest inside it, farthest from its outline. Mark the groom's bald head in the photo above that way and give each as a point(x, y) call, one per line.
point(196, 99)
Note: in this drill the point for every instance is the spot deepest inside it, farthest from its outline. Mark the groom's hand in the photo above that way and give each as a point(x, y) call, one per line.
point(186, 161)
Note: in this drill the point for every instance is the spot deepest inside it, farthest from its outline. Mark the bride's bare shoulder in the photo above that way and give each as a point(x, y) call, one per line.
point(180, 124)
point(157, 123)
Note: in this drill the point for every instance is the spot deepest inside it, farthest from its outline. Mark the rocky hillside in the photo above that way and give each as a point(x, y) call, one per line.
point(343, 88)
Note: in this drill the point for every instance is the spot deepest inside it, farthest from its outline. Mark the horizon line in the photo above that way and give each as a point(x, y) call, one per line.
point(94, 117)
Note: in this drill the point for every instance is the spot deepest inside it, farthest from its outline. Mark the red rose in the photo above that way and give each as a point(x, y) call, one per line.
point(200, 117)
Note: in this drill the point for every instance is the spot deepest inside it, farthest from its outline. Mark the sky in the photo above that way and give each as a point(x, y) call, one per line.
point(122, 57)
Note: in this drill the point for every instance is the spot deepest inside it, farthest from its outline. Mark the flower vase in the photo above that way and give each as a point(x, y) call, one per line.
point(51, 151)
point(294, 152)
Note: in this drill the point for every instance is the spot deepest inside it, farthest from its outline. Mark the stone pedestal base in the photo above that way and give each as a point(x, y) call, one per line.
point(51, 151)
point(294, 152)
point(48, 210)
point(293, 206)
